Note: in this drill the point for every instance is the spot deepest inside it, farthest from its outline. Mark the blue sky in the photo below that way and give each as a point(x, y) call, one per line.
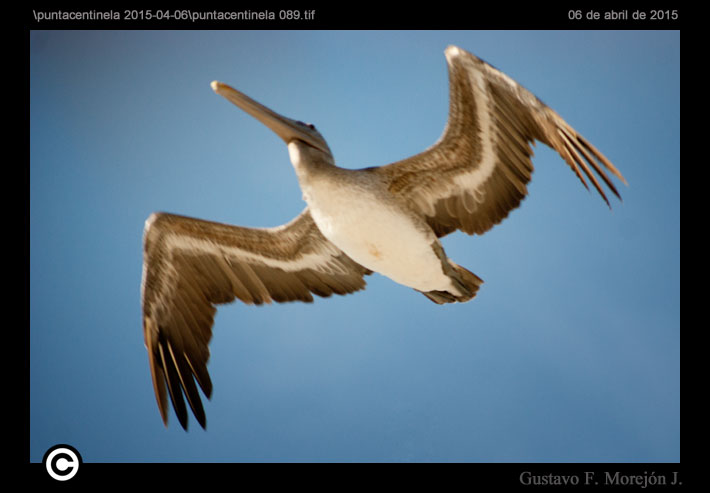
point(570, 351)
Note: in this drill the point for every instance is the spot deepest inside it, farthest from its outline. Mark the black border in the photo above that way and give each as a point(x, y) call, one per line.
point(427, 477)
point(351, 15)
point(358, 15)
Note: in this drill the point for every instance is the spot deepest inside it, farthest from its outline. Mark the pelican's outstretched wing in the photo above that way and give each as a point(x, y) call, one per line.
point(190, 265)
point(477, 172)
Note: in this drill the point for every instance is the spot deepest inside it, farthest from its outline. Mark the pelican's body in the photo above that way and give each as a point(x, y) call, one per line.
point(384, 219)
point(391, 242)
point(355, 211)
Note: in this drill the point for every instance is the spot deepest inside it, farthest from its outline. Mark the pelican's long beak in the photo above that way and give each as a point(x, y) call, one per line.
point(285, 128)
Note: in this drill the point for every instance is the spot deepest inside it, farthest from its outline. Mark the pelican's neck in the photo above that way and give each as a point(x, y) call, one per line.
point(310, 163)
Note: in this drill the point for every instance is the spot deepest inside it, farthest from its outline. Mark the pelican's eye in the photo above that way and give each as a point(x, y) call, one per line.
point(309, 125)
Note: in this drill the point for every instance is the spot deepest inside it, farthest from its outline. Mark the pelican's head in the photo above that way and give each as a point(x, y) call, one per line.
point(296, 134)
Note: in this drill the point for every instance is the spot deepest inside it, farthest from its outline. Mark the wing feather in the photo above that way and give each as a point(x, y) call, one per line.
point(478, 171)
point(191, 265)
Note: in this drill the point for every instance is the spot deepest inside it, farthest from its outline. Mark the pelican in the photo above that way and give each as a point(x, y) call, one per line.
point(386, 219)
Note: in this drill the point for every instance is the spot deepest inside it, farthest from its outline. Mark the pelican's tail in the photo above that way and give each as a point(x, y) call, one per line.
point(466, 281)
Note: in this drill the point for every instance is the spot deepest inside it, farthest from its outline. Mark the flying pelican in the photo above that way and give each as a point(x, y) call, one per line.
point(381, 219)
